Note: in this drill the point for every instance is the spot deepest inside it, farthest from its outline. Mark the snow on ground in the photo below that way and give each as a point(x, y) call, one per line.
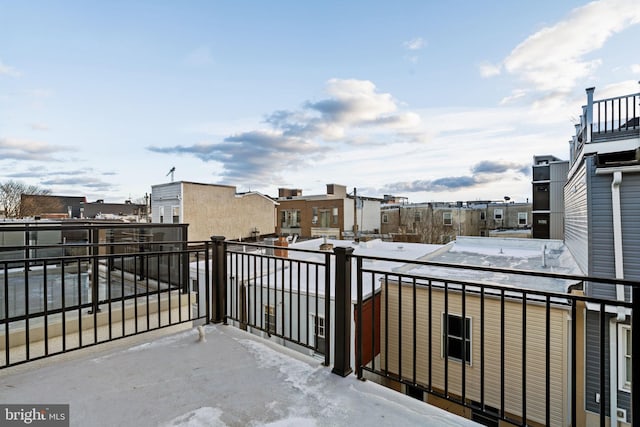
point(232, 379)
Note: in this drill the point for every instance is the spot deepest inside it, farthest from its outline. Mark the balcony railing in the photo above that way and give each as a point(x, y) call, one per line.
point(503, 353)
point(617, 115)
point(82, 294)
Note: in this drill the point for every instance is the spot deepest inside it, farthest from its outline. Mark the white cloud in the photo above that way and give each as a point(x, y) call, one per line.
point(38, 126)
point(556, 57)
point(489, 70)
point(515, 94)
point(354, 114)
point(8, 71)
point(415, 44)
point(635, 68)
point(21, 149)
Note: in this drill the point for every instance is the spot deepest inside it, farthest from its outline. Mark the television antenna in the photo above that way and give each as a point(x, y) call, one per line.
point(171, 172)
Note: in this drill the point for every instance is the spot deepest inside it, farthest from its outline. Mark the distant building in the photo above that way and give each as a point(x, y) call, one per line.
point(441, 222)
point(212, 209)
point(331, 215)
point(602, 217)
point(128, 211)
point(52, 207)
point(549, 177)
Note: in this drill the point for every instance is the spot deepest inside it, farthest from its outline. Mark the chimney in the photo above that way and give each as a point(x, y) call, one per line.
point(324, 246)
point(337, 190)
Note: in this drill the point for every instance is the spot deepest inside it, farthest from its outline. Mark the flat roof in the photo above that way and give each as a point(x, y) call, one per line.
point(234, 378)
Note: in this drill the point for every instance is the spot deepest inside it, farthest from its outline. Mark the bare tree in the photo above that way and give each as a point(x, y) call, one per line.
point(11, 193)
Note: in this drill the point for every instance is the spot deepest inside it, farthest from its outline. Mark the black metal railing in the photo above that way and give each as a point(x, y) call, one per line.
point(514, 354)
point(504, 353)
point(617, 115)
point(282, 292)
point(98, 293)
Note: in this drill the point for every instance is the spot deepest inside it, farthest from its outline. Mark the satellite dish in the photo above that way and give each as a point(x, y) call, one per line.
point(507, 198)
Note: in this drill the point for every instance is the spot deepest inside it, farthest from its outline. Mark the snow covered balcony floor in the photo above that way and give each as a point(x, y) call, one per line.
point(232, 379)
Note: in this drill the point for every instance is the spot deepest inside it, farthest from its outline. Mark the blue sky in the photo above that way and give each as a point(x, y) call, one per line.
point(428, 100)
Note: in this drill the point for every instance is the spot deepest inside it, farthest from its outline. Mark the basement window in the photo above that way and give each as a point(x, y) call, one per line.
point(497, 214)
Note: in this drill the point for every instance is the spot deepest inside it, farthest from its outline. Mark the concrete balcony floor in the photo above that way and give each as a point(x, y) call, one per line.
point(232, 379)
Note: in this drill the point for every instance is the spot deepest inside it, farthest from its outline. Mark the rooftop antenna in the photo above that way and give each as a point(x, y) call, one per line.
point(171, 171)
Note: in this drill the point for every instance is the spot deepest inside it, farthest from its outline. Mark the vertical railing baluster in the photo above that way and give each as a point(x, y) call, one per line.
point(327, 307)
point(547, 370)
point(603, 400)
point(360, 311)
point(524, 358)
point(635, 349)
point(502, 328)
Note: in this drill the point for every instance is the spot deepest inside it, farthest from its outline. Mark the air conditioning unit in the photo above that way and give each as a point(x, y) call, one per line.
point(621, 415)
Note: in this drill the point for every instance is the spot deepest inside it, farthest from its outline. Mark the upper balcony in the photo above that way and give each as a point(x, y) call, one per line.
point(612, 125)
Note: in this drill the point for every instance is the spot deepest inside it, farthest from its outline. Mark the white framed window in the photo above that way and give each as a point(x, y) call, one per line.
point(522, 218)
point(270, 319)
point(161, 212)
point(447, 218)
point(454, 339)
point(385, 219)
point(624, 357)
point(497, 213)
point(175, 214)
point(317, 330)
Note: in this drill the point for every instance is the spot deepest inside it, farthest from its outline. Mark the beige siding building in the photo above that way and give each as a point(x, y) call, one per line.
point(213, 210)
point(535, 345)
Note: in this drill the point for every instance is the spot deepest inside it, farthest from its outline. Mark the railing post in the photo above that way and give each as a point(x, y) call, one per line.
point(218, 282)
point(95, 271)
point(589, 114)
point(635, 350)
point(342, 298)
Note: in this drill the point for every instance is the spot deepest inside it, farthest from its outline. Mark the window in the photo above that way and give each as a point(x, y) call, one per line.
point(385, 219)
point(522, 218)
point(447, 218)
point(325, 218)
point(497, 214)
point(270, 319)
point(161, 214)
point(314, 215)
point(290, 218)
point(453, 340)
point(318, 331)
point(175, 214)
point(417, 216)
point(483, 216)
point(624, 357)
point(335, 215)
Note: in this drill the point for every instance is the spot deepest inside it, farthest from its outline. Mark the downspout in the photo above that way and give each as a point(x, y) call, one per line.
point(619, 266)
point(617, 238)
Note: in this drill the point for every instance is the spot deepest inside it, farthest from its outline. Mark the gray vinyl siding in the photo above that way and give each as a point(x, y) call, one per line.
point(602, 260)
point(576, 230)
point(167, 196)
point(630, 205)
point(558, 175)
point(592, 367)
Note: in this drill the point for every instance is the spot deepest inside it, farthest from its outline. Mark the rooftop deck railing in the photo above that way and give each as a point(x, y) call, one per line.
point(90, 293)
point(617, 115)
point(502, 351)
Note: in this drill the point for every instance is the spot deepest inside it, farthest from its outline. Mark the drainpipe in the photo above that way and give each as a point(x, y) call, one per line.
point(619, 265)
point(617, 238)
